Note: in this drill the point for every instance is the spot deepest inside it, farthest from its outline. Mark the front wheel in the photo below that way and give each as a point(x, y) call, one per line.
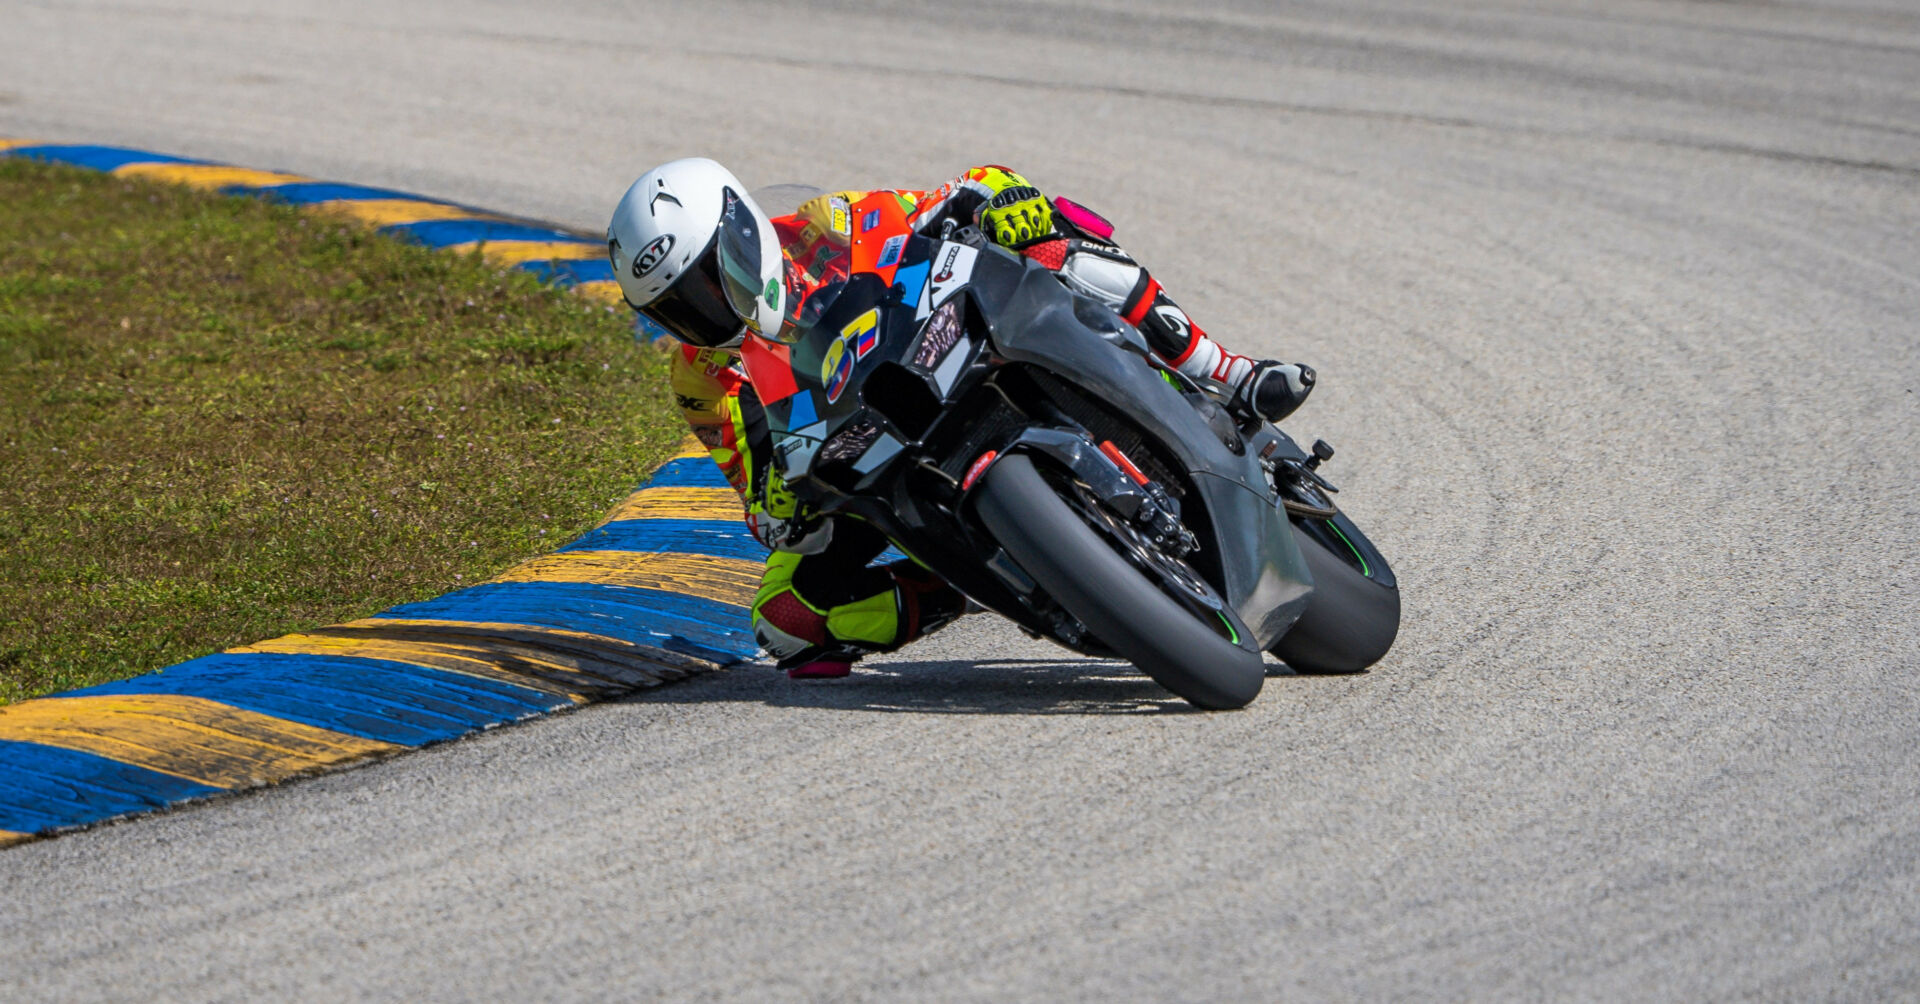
point(1200, 658)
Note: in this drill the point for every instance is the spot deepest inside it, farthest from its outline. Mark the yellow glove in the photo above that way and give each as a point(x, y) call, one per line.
point(779, 522)
point(1018, 216)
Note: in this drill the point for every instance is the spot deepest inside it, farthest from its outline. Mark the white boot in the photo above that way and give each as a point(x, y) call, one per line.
point(1270, 390)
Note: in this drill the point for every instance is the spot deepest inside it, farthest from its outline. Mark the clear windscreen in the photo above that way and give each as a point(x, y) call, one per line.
point(784, 198)
point(816, 279)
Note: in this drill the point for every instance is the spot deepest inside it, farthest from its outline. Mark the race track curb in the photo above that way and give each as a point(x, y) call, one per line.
point(657, 592)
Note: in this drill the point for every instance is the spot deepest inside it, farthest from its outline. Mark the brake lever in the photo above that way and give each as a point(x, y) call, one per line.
point(971, 236)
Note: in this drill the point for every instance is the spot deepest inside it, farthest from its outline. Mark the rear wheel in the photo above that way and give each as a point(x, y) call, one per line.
point(1353, 615)
point(1145, 605)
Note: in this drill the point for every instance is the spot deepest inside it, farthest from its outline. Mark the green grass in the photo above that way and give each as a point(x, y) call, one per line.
point(223, 420)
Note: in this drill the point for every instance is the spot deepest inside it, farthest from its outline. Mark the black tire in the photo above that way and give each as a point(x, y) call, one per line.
point(1114, 599)
point(1353, 615)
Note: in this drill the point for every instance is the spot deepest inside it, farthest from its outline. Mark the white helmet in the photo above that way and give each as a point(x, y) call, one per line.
point(692, 252)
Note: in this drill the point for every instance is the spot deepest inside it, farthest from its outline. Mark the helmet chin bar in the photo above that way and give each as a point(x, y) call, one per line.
point(694, 307)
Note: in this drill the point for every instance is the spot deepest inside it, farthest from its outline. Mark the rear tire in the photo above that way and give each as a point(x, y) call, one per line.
point(1113, 598)
point(1352, 616)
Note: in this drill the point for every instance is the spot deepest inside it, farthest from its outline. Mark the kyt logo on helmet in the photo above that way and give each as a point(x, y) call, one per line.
point(652, 255)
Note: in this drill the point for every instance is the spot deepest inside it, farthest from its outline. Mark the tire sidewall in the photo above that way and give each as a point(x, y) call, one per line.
point(1079, 569)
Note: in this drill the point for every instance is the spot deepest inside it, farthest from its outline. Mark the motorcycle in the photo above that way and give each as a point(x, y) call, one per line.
point(1024, 443)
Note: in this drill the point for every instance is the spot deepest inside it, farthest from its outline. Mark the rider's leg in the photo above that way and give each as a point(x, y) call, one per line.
point(817, 613)
point(1095, 268)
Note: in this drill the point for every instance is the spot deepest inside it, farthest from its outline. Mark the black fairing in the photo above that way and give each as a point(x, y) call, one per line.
point(1031, 320)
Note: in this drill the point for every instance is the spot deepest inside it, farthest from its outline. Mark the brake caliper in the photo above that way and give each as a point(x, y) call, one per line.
point(1159, 518)
point(1158, 515)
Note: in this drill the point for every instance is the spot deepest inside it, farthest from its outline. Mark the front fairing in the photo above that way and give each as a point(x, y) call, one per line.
point(810, 389)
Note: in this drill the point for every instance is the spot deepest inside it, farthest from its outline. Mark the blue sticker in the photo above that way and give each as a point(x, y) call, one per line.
point(802, 414)
point(913, 278)
point(869, 221)
point(890, 251)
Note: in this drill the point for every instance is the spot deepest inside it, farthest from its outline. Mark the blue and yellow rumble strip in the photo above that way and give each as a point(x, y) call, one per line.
point(560, 256)
point(656, 592)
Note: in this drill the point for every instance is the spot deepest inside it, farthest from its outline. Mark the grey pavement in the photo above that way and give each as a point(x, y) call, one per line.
point(1617, 311)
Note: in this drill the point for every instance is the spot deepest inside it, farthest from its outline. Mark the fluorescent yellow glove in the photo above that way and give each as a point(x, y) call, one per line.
point(1018, 216)
point(778, 520)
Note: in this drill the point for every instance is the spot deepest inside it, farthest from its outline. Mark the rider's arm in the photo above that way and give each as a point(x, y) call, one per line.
point(1007, 206)
point(725, 414)
point(705, 388)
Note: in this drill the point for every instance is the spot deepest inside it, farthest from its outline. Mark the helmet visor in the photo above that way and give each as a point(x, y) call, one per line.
point(745, 274)
point(695, 309)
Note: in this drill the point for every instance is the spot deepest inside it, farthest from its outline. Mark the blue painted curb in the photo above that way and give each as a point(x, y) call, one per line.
point(556, 254)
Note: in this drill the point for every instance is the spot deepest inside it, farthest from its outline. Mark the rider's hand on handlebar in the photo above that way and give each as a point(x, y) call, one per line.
point(778, 520)
point(800, 533)
point(1018, 217)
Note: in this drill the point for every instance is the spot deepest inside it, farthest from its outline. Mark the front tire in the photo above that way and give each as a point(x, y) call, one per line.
point(1107, 593)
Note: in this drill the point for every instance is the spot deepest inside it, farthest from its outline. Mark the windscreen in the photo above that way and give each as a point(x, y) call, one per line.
point(819, 272)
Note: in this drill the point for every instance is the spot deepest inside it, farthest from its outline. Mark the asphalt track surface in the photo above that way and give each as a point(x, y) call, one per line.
point(1615, 308)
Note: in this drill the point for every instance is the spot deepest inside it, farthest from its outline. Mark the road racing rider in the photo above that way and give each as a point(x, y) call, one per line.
point(696, 256)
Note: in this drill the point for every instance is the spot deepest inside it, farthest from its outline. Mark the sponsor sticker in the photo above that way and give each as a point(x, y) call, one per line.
point(836, 366)
point(802, 413)
point(652, 255)
point(795, 453)
point(830, 361)
point(841, 216)
point(911, 280)
point(979, 467)
point(947, 262)
point(842, 374)
point(890, 251)
point(869, 221)
point(863, 332)
point(953, 266)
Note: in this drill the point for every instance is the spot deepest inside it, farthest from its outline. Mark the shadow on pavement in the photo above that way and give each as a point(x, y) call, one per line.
point(1071, 686)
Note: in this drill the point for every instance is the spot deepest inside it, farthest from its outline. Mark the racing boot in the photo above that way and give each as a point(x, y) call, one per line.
point(825, 665)
point(1273, 390)
point(1264, 389)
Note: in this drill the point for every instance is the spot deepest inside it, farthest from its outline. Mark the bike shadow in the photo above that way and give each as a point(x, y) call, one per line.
point(1072, 686)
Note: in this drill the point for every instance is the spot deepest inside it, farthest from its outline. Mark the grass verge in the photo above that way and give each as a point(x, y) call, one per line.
point(223, 420)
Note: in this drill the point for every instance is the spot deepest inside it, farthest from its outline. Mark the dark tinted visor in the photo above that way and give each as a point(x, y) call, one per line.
point(694, 309)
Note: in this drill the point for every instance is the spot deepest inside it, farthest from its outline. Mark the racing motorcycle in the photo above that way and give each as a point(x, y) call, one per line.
point(1024, 443)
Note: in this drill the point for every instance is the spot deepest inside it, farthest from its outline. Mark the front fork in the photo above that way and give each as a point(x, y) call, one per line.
point(1108, 473)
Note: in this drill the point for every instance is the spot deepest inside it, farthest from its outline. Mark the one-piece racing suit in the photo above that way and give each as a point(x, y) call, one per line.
point(819, 597)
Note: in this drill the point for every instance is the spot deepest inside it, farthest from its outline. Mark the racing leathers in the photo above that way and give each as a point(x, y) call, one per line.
point(820, 606)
